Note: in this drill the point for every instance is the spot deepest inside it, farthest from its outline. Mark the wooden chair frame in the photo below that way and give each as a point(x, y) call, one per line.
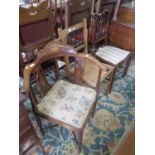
point(64, 35)
point(55, 53)
point(99, 28)
point(58, 12)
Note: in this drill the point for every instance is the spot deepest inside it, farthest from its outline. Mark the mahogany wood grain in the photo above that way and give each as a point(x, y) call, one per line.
point(122, 35)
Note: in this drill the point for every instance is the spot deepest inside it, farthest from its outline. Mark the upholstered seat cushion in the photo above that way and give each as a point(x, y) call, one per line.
point(112, 54)
point(68, 102)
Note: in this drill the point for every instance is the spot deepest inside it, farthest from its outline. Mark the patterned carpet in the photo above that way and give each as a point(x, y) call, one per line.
point(113, 118)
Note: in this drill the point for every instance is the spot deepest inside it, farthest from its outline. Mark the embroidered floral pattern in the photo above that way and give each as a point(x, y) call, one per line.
point(68, 102)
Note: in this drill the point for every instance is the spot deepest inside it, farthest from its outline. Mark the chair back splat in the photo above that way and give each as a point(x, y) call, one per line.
point(76, 36)
point(99, 28)
point(67, 100)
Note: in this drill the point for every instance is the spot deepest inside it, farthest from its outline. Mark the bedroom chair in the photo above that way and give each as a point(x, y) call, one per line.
point(114, 55)
point(101, 13)
point(66, 102)
point(77, 36)
point(98, 30)
point(35, 30)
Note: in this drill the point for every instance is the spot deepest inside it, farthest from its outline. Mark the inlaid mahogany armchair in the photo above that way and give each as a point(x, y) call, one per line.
point(66, 102)
point(77, 36)
point(35, 30)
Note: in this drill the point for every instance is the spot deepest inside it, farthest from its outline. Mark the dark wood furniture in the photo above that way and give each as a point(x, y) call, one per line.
point(76, 36)
point(122, 35)
point(98, 30)
point(28, 140)
point(35, 30)
point(76, 10)
point(59, 13)
point(101, 14)
point(69, 102)
point(122, 30)
point(120, 44)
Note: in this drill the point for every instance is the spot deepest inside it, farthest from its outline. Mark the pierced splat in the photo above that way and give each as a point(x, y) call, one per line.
point(99, 27)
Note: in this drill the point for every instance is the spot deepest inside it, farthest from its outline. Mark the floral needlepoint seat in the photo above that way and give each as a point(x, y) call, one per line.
point(68, 102)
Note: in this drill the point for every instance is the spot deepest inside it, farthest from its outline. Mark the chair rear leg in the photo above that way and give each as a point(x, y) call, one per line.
point(78, 137)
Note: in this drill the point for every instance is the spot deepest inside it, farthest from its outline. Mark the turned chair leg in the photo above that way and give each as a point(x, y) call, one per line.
point(111, 79)
point(78, 138)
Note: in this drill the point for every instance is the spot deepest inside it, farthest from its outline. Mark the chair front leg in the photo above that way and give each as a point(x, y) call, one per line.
point(111, 79)
point(78, 138)
point(126, 66)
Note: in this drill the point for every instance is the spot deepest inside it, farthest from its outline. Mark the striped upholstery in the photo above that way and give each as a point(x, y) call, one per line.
point(112, 54)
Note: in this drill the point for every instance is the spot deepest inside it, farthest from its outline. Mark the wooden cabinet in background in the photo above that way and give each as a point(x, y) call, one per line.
point(122, 35)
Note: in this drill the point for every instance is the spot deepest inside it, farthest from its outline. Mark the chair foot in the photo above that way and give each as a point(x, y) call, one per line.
point(78, 139)
point(126, 66)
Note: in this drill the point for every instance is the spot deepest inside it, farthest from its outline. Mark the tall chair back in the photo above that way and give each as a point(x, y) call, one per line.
point(75, 36)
